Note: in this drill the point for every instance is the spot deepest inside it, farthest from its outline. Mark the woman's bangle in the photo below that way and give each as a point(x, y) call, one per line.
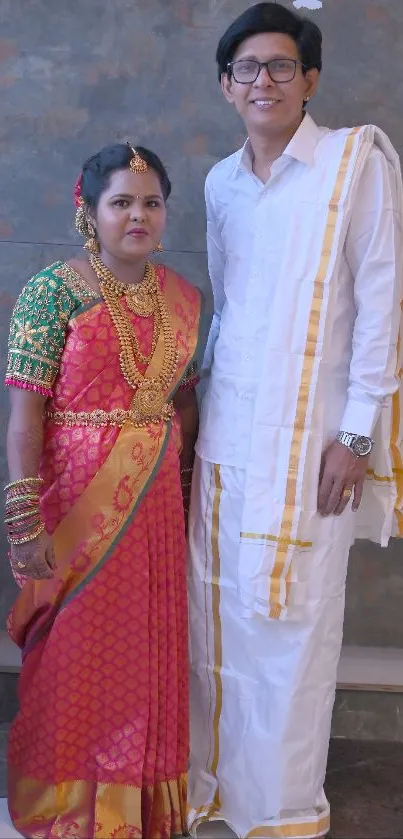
point(23, 518)
point(22, 540)
point(23, 481)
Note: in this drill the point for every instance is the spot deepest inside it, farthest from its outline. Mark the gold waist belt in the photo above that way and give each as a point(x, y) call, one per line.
point(102, 419)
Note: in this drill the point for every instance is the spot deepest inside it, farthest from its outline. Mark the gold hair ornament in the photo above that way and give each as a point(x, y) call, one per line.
point(137, 165)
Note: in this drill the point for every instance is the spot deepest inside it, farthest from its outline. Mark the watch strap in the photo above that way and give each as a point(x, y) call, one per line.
point(346, 438)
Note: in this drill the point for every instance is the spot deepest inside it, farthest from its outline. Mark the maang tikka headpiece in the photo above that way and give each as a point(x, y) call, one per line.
point(137, 165)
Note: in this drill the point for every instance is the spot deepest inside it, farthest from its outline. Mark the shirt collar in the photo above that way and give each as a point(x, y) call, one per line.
point(301, 146)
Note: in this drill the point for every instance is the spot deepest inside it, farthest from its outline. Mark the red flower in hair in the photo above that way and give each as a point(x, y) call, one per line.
point(77, 191)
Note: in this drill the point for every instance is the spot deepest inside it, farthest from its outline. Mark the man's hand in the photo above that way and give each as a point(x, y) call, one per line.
point(342, 474)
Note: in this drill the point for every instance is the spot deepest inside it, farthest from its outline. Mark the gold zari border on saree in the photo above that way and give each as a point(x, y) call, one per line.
point(77, 809)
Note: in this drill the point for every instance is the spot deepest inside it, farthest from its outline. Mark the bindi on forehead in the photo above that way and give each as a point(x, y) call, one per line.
point(126, 184)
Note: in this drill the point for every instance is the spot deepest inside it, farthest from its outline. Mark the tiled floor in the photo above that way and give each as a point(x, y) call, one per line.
point(6, 829)
point(364, 785)
point(365, 789)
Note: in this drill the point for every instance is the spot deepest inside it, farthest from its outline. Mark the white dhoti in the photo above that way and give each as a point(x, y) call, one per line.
point(262, 692)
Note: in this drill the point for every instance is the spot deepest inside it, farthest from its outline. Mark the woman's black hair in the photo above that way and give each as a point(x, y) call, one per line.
point(271, 17)
point(98, 169)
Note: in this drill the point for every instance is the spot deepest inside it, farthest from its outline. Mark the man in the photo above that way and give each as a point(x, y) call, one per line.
point(301, 407)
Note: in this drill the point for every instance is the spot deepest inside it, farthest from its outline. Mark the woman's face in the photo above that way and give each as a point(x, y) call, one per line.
point(131, 214)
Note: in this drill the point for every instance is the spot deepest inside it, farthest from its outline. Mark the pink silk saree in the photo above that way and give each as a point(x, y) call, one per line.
point(99, 747)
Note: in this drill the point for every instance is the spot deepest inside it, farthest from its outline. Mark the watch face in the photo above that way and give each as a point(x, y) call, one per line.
point(362, 446)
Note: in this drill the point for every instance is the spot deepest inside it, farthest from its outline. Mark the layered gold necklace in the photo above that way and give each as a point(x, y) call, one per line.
point(143, 299)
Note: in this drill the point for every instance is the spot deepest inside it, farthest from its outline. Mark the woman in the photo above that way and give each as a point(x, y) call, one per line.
point(101, 377)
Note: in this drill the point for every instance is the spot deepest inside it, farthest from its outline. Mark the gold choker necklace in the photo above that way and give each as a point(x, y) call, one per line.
point(141, 297)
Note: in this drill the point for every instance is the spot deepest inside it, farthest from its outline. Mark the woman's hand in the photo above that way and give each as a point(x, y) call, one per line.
point(34, 559)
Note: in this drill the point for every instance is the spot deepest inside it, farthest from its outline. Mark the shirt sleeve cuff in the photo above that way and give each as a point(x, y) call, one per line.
point(360, 418)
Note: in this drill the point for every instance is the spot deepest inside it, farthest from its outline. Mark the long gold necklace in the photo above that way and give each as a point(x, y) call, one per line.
point(140, 299)
point(148, 400)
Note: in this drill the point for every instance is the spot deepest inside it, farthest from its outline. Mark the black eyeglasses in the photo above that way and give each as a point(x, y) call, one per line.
point(280, 70)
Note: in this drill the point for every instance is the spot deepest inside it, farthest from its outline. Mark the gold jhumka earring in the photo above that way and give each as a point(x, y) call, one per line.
point(91, 244)
point(85, 228)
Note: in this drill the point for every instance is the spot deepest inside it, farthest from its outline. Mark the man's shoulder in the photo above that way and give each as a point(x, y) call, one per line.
point(333, 136)
point(223, 169)
point(380, 149)
point(368, 131)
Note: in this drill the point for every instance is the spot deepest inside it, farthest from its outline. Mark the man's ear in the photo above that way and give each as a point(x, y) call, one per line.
point(311, 82)
point(226, 87)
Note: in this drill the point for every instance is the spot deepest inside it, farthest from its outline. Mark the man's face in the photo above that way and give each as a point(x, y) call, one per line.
point(269, 107)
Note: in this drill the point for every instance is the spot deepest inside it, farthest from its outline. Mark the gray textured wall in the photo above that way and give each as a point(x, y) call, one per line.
point(75, 76)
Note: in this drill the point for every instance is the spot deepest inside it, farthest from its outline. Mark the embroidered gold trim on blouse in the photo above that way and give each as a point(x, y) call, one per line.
point(76, 283)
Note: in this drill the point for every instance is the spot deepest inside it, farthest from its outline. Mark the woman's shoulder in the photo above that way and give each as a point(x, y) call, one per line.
point(56, 282)
point(48, 280)
point(170, 279)
point(48, 274)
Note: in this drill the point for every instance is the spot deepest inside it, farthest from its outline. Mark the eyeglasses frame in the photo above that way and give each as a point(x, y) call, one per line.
point(264, 64)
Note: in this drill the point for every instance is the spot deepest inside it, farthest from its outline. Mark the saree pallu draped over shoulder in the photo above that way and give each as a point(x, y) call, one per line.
point(100, 745)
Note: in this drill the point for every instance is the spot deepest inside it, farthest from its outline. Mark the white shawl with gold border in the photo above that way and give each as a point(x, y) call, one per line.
point(289, 430)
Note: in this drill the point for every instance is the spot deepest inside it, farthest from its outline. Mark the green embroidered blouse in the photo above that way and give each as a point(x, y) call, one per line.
point(38, 326)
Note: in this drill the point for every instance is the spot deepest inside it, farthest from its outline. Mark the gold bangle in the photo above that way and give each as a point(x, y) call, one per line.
point(27, 515)
point(23, 481)
point(190, 469)
point(30, 496)
point(23, 528)
point(29, 538)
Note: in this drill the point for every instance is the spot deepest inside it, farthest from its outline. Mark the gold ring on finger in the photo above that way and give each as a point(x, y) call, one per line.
point(21, 565)
point(347, 493)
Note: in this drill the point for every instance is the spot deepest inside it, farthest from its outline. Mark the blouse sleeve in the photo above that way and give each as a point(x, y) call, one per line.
point(37, 333)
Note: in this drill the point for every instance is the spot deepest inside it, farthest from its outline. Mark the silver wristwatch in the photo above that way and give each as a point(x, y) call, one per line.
point(358, 445)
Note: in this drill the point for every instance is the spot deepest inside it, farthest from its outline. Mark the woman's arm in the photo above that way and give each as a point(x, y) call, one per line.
point(185, 402)
point(35, 346)
point(25, 433)
point(35, 557)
